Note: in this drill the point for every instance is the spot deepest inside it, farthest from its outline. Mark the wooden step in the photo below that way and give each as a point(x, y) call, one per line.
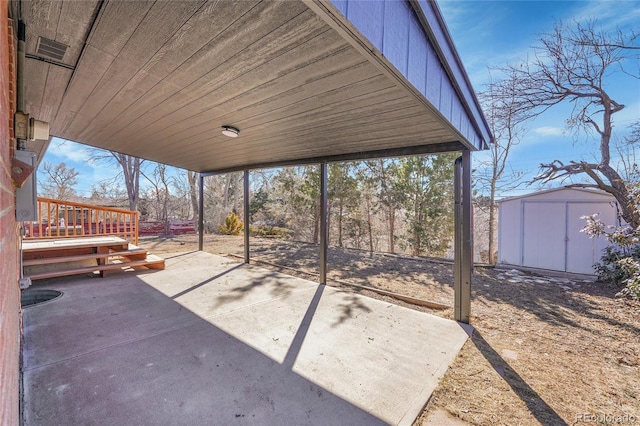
point(36, 246)
point(151, 262)
point(135, 254)
point(56, 258)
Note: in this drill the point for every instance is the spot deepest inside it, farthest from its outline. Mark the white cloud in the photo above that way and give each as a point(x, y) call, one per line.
point(629, 115)
point(67, 150)
point(610, 15)
point(549, 131)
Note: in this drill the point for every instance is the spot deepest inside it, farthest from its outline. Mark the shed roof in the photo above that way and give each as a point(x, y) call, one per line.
point(587, 192)
point(304, 81)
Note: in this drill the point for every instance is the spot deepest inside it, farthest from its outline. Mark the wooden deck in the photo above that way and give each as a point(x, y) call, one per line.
point(72, 256)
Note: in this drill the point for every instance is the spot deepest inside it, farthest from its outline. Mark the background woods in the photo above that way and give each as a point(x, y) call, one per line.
point(390, 205)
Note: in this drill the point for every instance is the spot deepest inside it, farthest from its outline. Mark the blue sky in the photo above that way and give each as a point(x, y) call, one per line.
point(489, 33)
point(494, 33)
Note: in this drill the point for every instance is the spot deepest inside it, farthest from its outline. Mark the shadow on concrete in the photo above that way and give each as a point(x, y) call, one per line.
point(173, 256)
point(349, 309)
point(546, 299)
point(120, 366)
point(207, 281)
point(279, 288)
point(124, 350)
point(537, 406)
point(303, 329)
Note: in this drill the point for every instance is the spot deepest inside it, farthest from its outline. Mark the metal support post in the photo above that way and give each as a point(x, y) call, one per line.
point(324, 231)
point(246, 216)
point(201, 213)
point(463, 265)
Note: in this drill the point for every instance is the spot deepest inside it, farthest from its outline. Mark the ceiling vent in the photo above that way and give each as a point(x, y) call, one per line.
point(51, 48)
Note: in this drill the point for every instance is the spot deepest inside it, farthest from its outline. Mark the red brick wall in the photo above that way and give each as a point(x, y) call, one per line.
point(9, 291)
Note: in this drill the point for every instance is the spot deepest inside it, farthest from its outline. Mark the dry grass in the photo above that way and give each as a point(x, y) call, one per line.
point(544, 351)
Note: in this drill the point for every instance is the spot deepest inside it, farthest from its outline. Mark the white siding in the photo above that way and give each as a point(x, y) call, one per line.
point(582, 251)
point(509, 230)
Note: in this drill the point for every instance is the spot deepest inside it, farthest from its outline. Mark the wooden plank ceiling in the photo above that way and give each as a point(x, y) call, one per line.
point(158, 79)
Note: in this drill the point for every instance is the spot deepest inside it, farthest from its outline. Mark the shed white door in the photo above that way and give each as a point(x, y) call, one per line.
point(544, 231)
point(551, 237)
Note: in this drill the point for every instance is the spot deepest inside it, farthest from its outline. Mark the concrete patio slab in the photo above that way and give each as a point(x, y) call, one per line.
point(212, 341)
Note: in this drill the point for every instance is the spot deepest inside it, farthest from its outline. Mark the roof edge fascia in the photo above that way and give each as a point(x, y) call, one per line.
point(332, 16)
point(435, 27)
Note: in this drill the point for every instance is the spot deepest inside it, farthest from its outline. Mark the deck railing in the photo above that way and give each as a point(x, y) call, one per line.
point(66, 219)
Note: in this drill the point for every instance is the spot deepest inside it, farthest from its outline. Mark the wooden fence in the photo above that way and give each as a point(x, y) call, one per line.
point(174, 227)
point(66, 219)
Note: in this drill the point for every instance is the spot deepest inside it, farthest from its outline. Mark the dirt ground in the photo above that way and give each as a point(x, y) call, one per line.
point(545, 350)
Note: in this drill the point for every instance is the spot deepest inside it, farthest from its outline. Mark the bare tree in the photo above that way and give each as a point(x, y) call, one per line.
point(59, 181)
point(506, 122)
point(572, 64)
point(161, 181)
point(108, 193)
point(216, 198)
point(626, 150)
point(382, 171)
point(131, 174)
point(129, 170)
point(344, 195)
point(368, 187)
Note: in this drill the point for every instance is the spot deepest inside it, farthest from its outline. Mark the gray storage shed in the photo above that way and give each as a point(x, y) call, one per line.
point(542, 229)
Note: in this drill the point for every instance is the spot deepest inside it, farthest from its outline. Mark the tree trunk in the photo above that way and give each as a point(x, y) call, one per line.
point(492, 229)
point(392, 223)
point(165, 203)
point(165, 216)
point(225, 196)
point(369, 227)
point(492, 221)
point(328, 222)
point(340, 208)
point(628, 208)
point(192, 177)
point(618, 186)
point(417, 237)
point(236, 191)
point(131, 173)
point(316, 225)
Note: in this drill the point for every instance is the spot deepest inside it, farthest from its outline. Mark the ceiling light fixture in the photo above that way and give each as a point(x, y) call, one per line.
point(230, 131)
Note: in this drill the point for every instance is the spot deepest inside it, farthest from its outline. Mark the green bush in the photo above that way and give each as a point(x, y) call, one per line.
point(232, 225)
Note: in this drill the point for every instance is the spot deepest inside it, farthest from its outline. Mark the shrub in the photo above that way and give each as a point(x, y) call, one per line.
point(631, 268)
point(620, 262)
point(232, 225)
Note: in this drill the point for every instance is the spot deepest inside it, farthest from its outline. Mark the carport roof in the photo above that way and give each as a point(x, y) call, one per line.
point(304, 81)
